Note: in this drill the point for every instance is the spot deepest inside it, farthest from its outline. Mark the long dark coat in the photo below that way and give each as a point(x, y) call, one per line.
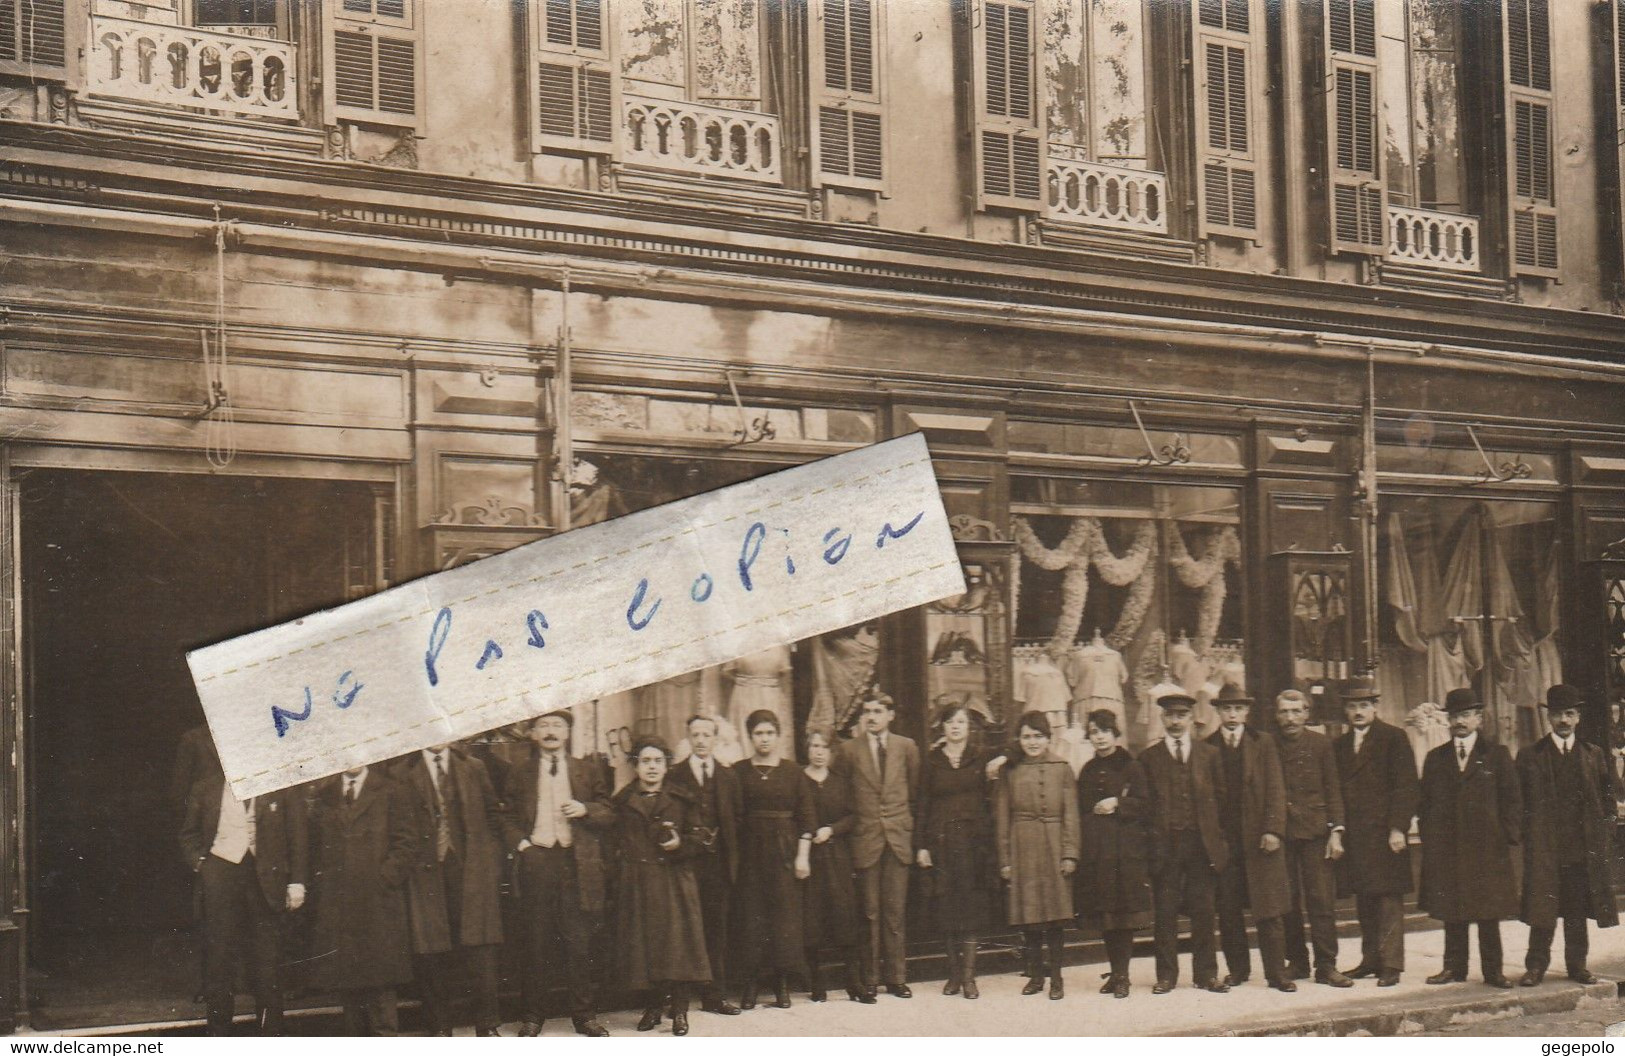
point(953, 821)
point(830, 904)
point(1113, 880)
point(1543, 820)
point(1263, 809)
point(1471, 823)
point(659, 930)
point(480, 919)
point(363, 853)
point(1035, 818)
point(1207, 789)
point(776, 807)
point(1380, 793)
point(281, 835)
point(590, 787)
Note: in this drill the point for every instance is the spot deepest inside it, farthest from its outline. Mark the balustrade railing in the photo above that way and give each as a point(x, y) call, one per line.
point(1432, 239)
point(701, 139)
point(182, 66)
point(1107, 195)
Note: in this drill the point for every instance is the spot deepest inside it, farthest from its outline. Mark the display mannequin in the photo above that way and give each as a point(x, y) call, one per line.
point(761, 681)
point(1097, 675)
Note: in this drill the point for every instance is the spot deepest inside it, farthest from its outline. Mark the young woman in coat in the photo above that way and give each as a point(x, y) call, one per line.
point(1036, 817)
point(776, 825)
point(831, 919)
point(1113, 891)
point(953, 823)
point(659, 933)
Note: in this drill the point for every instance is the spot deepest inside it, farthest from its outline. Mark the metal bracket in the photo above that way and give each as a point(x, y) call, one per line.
point(751, 430)
point(1515, 469)
point(1169, 454)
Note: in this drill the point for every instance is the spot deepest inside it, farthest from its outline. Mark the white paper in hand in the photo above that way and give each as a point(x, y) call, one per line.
point(581, 615)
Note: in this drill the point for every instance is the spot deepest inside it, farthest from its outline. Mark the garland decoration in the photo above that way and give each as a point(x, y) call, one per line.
point(1205, 574)
point(1085, 545)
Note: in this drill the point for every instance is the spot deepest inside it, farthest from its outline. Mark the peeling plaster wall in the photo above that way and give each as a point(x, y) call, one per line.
point(728, 52)
point(1117, 40)
point(654, 46)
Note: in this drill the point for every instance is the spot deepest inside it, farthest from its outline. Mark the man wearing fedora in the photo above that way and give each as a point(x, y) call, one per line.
point(1188, 847)
point(1252, 813)
point(1472, 822)
point(1568, 826)
point(1380, 789)
point(1314, 839)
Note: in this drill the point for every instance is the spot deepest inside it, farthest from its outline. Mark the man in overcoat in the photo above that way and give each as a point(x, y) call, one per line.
point(713, 792)
point(557, 811)
point(452, 897)
point(1472, 820)
point(883, 769)
point(1188, 847)
point(1380, 791)
point(252, 860)
point(364, 846)
point(1568, 840)
point(1253, 816)
point(1314, 839)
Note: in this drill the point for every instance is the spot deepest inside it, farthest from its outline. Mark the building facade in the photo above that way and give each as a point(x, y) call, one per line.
point(1255, 342)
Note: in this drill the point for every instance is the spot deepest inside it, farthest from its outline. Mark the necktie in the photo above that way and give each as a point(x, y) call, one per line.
point(442, 835)
point(1461, 751)
point(705, 773)
point(880, 755)
point(349, 790)
point(553, 766)
point(1179, 752)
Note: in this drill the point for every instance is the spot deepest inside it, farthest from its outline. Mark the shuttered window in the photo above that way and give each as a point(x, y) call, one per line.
point(34, 38)
point(1009, 133)
point(1531, 183)
point(375, 62)
point(1357, 205)
point(1225, 56)
point(574, 87)
point(849, 143)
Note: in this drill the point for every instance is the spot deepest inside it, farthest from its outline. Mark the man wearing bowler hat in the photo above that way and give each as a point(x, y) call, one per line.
point(1188, 848)
point(1568, 829)
point(1378, 773)
point(1472, 820)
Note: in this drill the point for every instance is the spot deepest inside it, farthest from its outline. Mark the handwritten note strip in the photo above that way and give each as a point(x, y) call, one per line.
point(581, 615)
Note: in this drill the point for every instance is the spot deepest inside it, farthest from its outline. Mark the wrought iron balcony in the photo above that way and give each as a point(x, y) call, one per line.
point(182, 66)
point(701, 139)
point(1432, 239)
point(1106, 195)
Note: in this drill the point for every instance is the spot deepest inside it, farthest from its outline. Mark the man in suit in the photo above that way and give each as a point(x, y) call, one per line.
point(1568, 840)
point(1252, 813)
point(1377, 771)
point(1314, 839)
point(1472, 820)
point(557, 808)
point(452, 898)
point(883, 769)
point(1188, 847)
point(714, 791)
point(253, 861)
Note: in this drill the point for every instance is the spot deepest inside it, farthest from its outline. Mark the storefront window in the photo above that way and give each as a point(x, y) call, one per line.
point(1469, 597)
point(1122, 586)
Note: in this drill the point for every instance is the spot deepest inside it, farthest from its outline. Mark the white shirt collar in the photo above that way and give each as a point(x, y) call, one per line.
point(1563, 743)
point(358, 781)
point(1468, 742)
point(1181, 740)
point(698, 765)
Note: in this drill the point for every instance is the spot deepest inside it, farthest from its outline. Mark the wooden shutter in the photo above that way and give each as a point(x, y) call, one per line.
point(1357, 199)
point(1531, 189)
point(573, 86)
point(1225, 57)
point(849, 141)
point(1009, 123)
point(375, 62)
point(37, 38)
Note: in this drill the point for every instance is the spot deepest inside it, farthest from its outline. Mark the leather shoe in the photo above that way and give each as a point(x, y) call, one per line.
point(865, 996)
point(1388, 979)
point(679, 1024)
point(971, 990)
point(1163, 986)
point(651, 1019)
point(1213, 986)
point(1585, 977)
point(1297, 971)
point(720, 1007)
point(1333, 977)
point(1235, 980)
point(530, 1029)
point(591, 1028)
point(1286, 986)
point(899, 990)
point(1532, 977)
point(1057, 989)
point(1034, 985)
point(1500, 982)
point(1361, 971)
point(488, 1032)
point(1121, 987)
point(1446, 976)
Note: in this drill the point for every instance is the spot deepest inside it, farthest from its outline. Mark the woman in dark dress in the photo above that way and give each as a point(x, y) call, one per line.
point(831, 919)
point(953, 824)
point(659, 933)
point(1113, 891)
point(776, 823)
point(1035, 816)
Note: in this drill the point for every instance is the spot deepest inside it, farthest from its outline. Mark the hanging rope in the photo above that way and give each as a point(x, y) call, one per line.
point(219, 421)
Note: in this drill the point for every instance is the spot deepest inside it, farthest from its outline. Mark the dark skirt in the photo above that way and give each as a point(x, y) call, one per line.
point(770, 902)
point(831, 917)
point(962, 882)
point(659, 933)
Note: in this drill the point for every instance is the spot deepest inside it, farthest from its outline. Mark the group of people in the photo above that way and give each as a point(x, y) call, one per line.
point(714, 881)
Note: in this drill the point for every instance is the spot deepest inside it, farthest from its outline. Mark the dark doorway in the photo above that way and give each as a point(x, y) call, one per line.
point(122, 574)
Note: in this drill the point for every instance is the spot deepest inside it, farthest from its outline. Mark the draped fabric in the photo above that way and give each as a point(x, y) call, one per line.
point(843, 664)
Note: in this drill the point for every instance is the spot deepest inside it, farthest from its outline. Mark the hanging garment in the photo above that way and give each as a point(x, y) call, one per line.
point(1044, 687)
point(761, 682)
point(1097, 676)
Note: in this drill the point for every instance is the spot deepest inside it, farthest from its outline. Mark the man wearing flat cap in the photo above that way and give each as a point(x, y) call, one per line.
point(1568, 828)
point(1380, 791)
point(1472, 822)
point(1188, 848)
